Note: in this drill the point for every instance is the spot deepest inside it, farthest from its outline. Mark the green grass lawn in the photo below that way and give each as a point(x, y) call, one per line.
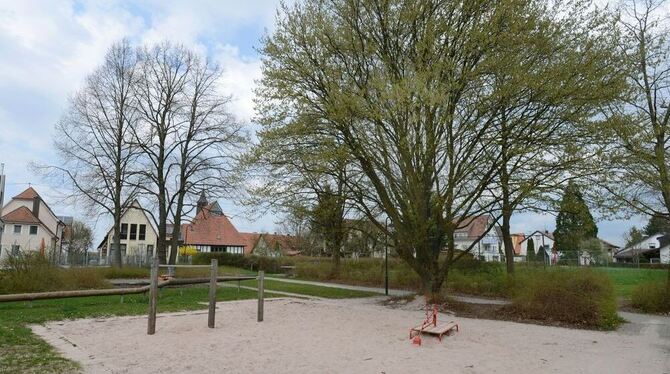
point(23, 352)
point(310, 290)
point(626, 279)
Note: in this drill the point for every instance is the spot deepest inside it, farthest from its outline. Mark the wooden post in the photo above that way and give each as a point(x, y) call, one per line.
point(212, 293)
point(261, 276)
point(153, 297)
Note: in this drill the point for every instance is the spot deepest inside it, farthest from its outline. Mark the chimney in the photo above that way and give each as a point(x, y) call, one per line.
point(36, 206)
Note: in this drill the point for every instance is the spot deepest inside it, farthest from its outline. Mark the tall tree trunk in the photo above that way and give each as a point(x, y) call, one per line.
point(507, 241)
point(176, 231)
point(506, 198)
point(116, 241)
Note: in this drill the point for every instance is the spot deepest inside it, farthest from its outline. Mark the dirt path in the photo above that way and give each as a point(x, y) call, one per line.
point(352, 336)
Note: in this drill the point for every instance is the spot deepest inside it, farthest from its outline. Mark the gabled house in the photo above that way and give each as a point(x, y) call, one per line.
point(30, 225)
point(489, 248)
point(542, 240)
point(212, 231)
point(275, 245)
point(137, 237)
point(654, 248)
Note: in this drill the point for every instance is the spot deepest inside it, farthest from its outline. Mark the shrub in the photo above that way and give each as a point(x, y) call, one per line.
point(124, 272)
point(268, 264)
point(30, 272)
point(576, 297)
point(652, 297)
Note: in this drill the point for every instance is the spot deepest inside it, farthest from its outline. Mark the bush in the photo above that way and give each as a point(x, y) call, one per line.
point(30, 272)
point(652, 297)
point(577, 297)
point(124, 272)
point(268, 264)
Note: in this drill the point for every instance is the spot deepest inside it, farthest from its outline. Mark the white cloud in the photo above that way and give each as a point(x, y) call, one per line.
point(48, 47)
point(238, 79)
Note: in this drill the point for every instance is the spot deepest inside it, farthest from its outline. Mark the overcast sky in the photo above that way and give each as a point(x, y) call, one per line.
point(48, 47)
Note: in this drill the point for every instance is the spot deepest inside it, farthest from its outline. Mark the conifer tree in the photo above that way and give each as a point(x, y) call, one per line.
point(574, 222)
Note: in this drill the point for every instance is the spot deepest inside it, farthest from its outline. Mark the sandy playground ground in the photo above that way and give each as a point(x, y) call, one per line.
point(351, 336)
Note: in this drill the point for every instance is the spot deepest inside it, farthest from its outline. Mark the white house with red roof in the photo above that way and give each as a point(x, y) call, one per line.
point(30, 225)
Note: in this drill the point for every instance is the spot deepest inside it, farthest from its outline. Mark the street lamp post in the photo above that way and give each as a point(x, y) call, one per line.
point(386, 258)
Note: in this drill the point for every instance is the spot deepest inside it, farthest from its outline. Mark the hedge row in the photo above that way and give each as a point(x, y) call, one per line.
point(268, 264)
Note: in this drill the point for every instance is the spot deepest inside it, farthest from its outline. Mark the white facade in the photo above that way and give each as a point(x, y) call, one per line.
point(540, 240)
point(26, 235)
point(487, 249)
point(644, 247)
point(138, 236)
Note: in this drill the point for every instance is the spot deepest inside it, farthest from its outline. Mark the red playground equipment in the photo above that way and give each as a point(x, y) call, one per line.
point(430, 326)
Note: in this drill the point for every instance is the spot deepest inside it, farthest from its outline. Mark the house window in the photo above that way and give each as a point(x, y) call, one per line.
point(652, 245)
point(33, 230)
point(143, 232)
point(17, 229)
point(133, 231)
point(124, 231)
point(15, 249)
point(218, 248)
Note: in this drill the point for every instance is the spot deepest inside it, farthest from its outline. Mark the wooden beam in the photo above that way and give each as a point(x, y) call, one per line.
point(212, 294)
point(153, 297)
point(261, 281)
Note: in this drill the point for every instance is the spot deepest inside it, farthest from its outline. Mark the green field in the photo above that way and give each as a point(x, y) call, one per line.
point(310, 290)
point(625, 279)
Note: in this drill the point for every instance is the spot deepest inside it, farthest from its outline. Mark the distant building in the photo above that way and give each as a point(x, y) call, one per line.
point(654, 249)
point(212, 231)
point(137, 237)
point(30, 225)
point(275, 245)
point(489, 247)
point(541, 240)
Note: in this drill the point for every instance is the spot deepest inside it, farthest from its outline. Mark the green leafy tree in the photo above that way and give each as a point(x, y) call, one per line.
point(543, 108)
point(530, 250)
point(635, 172)
point(408, 90)
point(657, 224)
point(633, 236)
point(594, 248)
point(328, 224)
point(574, 222)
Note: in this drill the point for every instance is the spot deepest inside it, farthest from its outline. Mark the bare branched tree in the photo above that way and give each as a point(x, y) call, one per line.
point(94, 139)
point(188, 138)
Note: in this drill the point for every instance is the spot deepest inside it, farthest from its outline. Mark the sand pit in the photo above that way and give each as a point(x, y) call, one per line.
point(348, 336)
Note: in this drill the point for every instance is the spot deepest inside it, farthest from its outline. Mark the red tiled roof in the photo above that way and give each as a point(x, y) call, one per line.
point(20, 215)
point(285, 243)
point(474, 226)
point(28, 194)
point(208, 228)
point(250, 239)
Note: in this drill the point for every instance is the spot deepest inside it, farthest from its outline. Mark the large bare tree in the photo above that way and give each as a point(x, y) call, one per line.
point(94, 139)
point(187, 136)
point(209, 141)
